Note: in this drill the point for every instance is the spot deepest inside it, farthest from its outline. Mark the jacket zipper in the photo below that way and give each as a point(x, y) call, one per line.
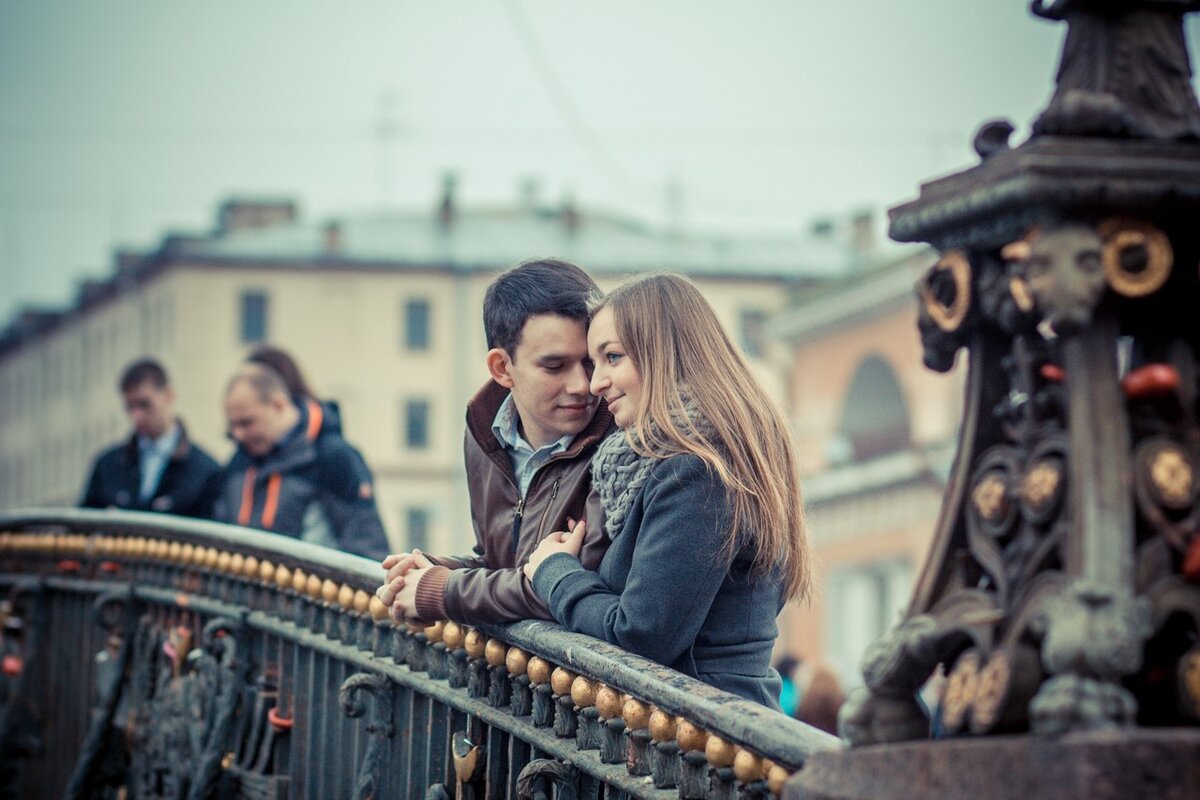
point(516, 523)
point(546, 513)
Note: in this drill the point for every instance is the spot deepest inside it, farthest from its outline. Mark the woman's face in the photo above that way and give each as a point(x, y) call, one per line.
point(614, 376)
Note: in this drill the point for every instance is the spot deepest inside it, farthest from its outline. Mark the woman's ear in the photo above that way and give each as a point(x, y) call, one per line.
point(500, 367)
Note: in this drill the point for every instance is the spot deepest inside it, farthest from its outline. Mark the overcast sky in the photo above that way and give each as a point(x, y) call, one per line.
point(121, 120)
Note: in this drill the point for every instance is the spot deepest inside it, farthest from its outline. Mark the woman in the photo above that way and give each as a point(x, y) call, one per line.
point(700, 496)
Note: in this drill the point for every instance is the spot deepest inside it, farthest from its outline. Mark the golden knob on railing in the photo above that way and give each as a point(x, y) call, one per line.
point(561, 680)
point(237, 564)
point(314, 586)
point(187, 554)
point(329, 591)
point(662, 726)
point(379, 612)
point(719, 752)
point(435, 632)
point(250, 567)
point(495, 652)
point(212, 558)
point(608, 702)
point(174, 550)
point(747, 766)
point(517, 661)
point(299, 581)
point(583, 691)
point(362, 601)
point(141, 547)
point(475, 643)
point(283, 578)
point(636, 714)
point(266, 571)
point(199, 556)
point(776, 777)
point(345, 596)
point(539, 670)
point(453, 635)
point(690, 736)
point(224, 559)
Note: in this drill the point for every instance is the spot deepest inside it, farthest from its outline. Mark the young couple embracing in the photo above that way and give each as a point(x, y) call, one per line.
point(629, 478)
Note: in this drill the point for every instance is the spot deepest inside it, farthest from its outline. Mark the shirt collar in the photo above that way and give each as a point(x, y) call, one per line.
point(164, 445)
point(506, 428)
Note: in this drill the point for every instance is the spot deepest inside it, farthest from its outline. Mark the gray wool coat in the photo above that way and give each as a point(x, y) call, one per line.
point(663, 591)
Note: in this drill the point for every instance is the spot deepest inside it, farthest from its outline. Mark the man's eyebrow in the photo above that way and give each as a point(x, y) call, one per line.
point(543, 359)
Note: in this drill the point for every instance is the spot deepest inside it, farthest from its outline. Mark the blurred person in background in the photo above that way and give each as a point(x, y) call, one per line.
point(820, 696)
point(292, 473)
point(157, 468)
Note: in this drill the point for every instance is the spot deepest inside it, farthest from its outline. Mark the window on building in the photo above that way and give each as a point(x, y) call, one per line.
point(752, 331)
point(416, 526)
point(862, 603)
point(875, 417)
point(254, 317)
point(416, 324)
point(416, 424)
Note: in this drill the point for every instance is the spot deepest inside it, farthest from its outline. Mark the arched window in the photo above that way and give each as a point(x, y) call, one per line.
point(875, 416)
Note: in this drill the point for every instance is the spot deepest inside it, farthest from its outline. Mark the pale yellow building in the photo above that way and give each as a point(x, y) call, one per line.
point(383, 313)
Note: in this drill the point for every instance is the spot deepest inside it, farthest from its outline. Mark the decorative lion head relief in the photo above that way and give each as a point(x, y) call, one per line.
point(1064, 272)
point(944, 295)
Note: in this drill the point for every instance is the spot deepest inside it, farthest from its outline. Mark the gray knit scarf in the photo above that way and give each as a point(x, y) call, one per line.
point(618, 472)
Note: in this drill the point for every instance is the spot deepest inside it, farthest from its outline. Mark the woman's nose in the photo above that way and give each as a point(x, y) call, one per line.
point(599, 381)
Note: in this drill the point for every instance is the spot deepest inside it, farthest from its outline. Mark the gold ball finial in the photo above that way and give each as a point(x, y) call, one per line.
point(538, 670)
point(495, 652)
point(345, 596)
point(475, 643)
point(212, 558)
point(283, 578)
point(561, 680)
point(583, 692)
point(174, 551)
point(224, 560)
point(662, 726)
point(362, 601)
point(719, 752)
point(266, 571)
point(435, 632)
point(690, 736)
point(329, 591)
point(313, 587)
point(237, 564)
point(250, 567)
point(776, 777)
point(379, 612)
point(453, 635)
point(517, 661)
point(299, 581)
point(186, 553)
point(608, 702)
point(747, 766)
point(636, 714)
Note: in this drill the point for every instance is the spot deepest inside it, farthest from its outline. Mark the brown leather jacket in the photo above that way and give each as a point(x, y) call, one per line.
point(489, 586)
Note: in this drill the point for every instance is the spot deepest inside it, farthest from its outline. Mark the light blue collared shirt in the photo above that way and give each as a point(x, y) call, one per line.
point(525, 460)
point(153, 455)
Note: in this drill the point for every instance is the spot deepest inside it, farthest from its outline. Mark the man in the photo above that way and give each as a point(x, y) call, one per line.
point(531, 433)
point(293, 473)
point(158, 468)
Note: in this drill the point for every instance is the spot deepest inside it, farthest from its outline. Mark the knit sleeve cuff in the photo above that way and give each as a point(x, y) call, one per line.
point(431, 594)
point(551, 571)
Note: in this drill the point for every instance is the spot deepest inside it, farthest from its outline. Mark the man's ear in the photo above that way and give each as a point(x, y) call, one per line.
point(500, 367)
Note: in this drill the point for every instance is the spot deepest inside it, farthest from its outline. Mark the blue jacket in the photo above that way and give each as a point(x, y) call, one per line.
point(188, 487)
point(664, 593)
point(313, 486)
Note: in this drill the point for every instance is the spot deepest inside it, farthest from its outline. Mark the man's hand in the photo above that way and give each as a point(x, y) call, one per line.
point(558, 542)
point(399, 592)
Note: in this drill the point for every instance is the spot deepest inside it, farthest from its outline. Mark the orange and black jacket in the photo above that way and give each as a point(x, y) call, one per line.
point(313, 486)
point(188, 487)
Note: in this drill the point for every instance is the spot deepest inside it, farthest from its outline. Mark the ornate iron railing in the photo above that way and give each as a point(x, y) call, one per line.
point(188, 659)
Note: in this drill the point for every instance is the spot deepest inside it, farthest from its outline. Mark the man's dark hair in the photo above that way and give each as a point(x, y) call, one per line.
point(542, 286)
point(144, 370)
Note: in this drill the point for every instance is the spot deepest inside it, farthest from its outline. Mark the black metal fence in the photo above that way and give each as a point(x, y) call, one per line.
point(162, 657)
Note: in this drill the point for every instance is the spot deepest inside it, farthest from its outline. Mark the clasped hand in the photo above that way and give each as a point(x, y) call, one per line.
point(557, 542)
point(399, 589)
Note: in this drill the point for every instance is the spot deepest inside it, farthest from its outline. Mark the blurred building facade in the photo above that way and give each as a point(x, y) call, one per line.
point(876, 436)
point(383, 312)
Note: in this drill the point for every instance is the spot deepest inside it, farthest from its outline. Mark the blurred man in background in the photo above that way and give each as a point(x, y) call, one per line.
point(158, 468)
point(292, 473)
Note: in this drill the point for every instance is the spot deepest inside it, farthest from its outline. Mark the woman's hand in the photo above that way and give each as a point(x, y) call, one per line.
point(557, 542)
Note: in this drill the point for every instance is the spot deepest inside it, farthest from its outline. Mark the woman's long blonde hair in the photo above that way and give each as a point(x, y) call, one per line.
point(681, 351)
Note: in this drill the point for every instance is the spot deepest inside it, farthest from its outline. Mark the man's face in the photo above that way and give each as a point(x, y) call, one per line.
point(548, 376)
point(151, 409)
point(254, 424)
